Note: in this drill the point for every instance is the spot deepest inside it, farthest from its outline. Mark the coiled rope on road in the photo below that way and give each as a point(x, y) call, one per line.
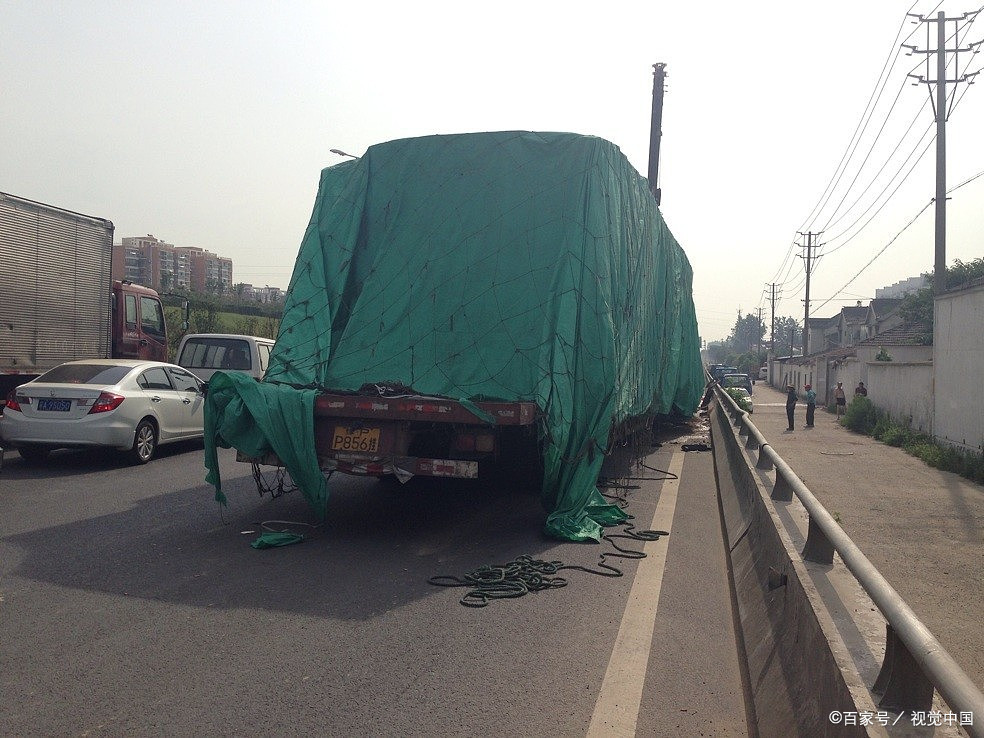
point(525, 575)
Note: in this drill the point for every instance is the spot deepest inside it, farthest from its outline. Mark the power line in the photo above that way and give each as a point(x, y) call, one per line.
point(861, 126)
point(887, 200)
point(831, 221)
point(906, 227)
point(882, 251)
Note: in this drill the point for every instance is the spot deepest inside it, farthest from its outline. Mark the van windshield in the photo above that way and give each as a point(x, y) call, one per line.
point(216, 353)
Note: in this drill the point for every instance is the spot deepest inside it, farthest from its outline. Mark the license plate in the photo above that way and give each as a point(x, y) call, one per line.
point(61, 406)
point(355, 439)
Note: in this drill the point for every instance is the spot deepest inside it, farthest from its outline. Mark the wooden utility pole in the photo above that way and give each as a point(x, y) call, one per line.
point(656, 129)
point(941, 112)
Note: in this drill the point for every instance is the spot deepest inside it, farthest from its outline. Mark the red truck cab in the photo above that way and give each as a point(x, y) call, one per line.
point(139, 331)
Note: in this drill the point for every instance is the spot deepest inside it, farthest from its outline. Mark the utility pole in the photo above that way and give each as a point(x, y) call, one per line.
point(942, 112)
point(759, 336)
point(772, 335)
point(810, 245)
point(656, 129)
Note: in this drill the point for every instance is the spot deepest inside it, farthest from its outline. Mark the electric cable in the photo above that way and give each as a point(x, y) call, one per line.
point(880, 252)
point(887, 200)
point(866, 115)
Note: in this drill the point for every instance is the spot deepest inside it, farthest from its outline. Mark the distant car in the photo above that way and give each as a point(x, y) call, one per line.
point(763, 372)
point(721, 370)
point(130, 405)
point(737, 380)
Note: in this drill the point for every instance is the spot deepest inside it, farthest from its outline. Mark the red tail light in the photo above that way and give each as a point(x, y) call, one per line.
point(105, 402)
point(12, 403)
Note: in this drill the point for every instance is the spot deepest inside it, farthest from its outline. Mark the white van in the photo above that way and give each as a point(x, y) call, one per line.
point(203, 353)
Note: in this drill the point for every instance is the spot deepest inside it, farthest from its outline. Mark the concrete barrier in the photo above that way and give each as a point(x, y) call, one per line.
point(798, 667)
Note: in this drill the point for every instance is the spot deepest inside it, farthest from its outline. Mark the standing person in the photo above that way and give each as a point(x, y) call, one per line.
point(811, 405)
point(790, 404)
point(861, 390)
point(840, 399)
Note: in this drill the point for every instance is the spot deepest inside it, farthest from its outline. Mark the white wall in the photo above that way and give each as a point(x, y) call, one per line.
point(958, 355)
point(904, 390)
point(898, 353)
point(795, 373)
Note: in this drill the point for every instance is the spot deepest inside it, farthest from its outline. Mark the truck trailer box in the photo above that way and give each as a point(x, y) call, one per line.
point(58, 299)
point(54, 285)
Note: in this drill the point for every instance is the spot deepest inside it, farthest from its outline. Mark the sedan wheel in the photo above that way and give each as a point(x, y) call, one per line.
point(144, 442)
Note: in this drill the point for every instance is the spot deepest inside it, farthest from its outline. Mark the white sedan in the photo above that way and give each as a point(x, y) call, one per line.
point(126, 404)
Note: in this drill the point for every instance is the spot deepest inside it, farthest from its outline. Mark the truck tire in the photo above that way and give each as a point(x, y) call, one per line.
point(144, 442)
point(34, 455)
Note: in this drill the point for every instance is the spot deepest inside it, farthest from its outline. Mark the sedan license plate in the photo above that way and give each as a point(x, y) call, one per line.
point(61, 406)
point(355, 439)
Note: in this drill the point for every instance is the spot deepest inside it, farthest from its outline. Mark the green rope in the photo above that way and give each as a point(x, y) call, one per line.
point(525, 575)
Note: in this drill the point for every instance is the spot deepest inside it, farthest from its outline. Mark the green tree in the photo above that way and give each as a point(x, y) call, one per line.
point(917, 307)
point(746, 335)
point(205, 318)
point(247, 325)
point(787, 327)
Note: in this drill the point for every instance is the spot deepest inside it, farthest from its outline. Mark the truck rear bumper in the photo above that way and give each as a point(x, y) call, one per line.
point(402, 467)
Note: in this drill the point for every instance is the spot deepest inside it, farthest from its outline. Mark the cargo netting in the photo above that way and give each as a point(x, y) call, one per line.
point(509, 266)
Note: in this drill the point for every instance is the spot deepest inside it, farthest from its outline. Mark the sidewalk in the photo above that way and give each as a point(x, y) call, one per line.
point(922, 528)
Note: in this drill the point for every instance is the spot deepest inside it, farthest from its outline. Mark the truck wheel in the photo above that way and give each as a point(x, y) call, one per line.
point(144, 442)
point(34, 454)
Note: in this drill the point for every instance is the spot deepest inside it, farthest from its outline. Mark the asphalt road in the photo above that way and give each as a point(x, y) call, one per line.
point(132, 604)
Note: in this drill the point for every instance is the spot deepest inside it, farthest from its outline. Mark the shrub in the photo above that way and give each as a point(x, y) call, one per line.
point(974, 467)
point(928, 452)
point(896, 435)
point(882, 428)
point(743, 402)
point(861, 416)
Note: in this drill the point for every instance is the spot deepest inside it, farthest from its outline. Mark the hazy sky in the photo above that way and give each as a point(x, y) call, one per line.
point(207, 123)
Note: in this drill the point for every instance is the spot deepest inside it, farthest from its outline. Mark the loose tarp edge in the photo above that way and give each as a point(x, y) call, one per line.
point(259, 418)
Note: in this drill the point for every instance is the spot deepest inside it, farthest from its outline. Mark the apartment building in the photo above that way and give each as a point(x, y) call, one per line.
point(152, 262)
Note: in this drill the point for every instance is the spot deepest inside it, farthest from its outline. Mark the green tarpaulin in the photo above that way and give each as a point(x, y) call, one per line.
point(509, 266)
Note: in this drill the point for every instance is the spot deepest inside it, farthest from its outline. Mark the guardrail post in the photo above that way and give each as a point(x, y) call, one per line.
point(818, 547)
point(901, 682)
point(783, 490)
point(764, 460)
point(743, 425)
point(752, 443)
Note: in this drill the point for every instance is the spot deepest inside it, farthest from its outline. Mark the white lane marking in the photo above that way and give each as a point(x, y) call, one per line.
point(617, 709)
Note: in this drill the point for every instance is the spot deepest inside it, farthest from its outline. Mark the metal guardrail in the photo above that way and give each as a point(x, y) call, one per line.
point(915, 662)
